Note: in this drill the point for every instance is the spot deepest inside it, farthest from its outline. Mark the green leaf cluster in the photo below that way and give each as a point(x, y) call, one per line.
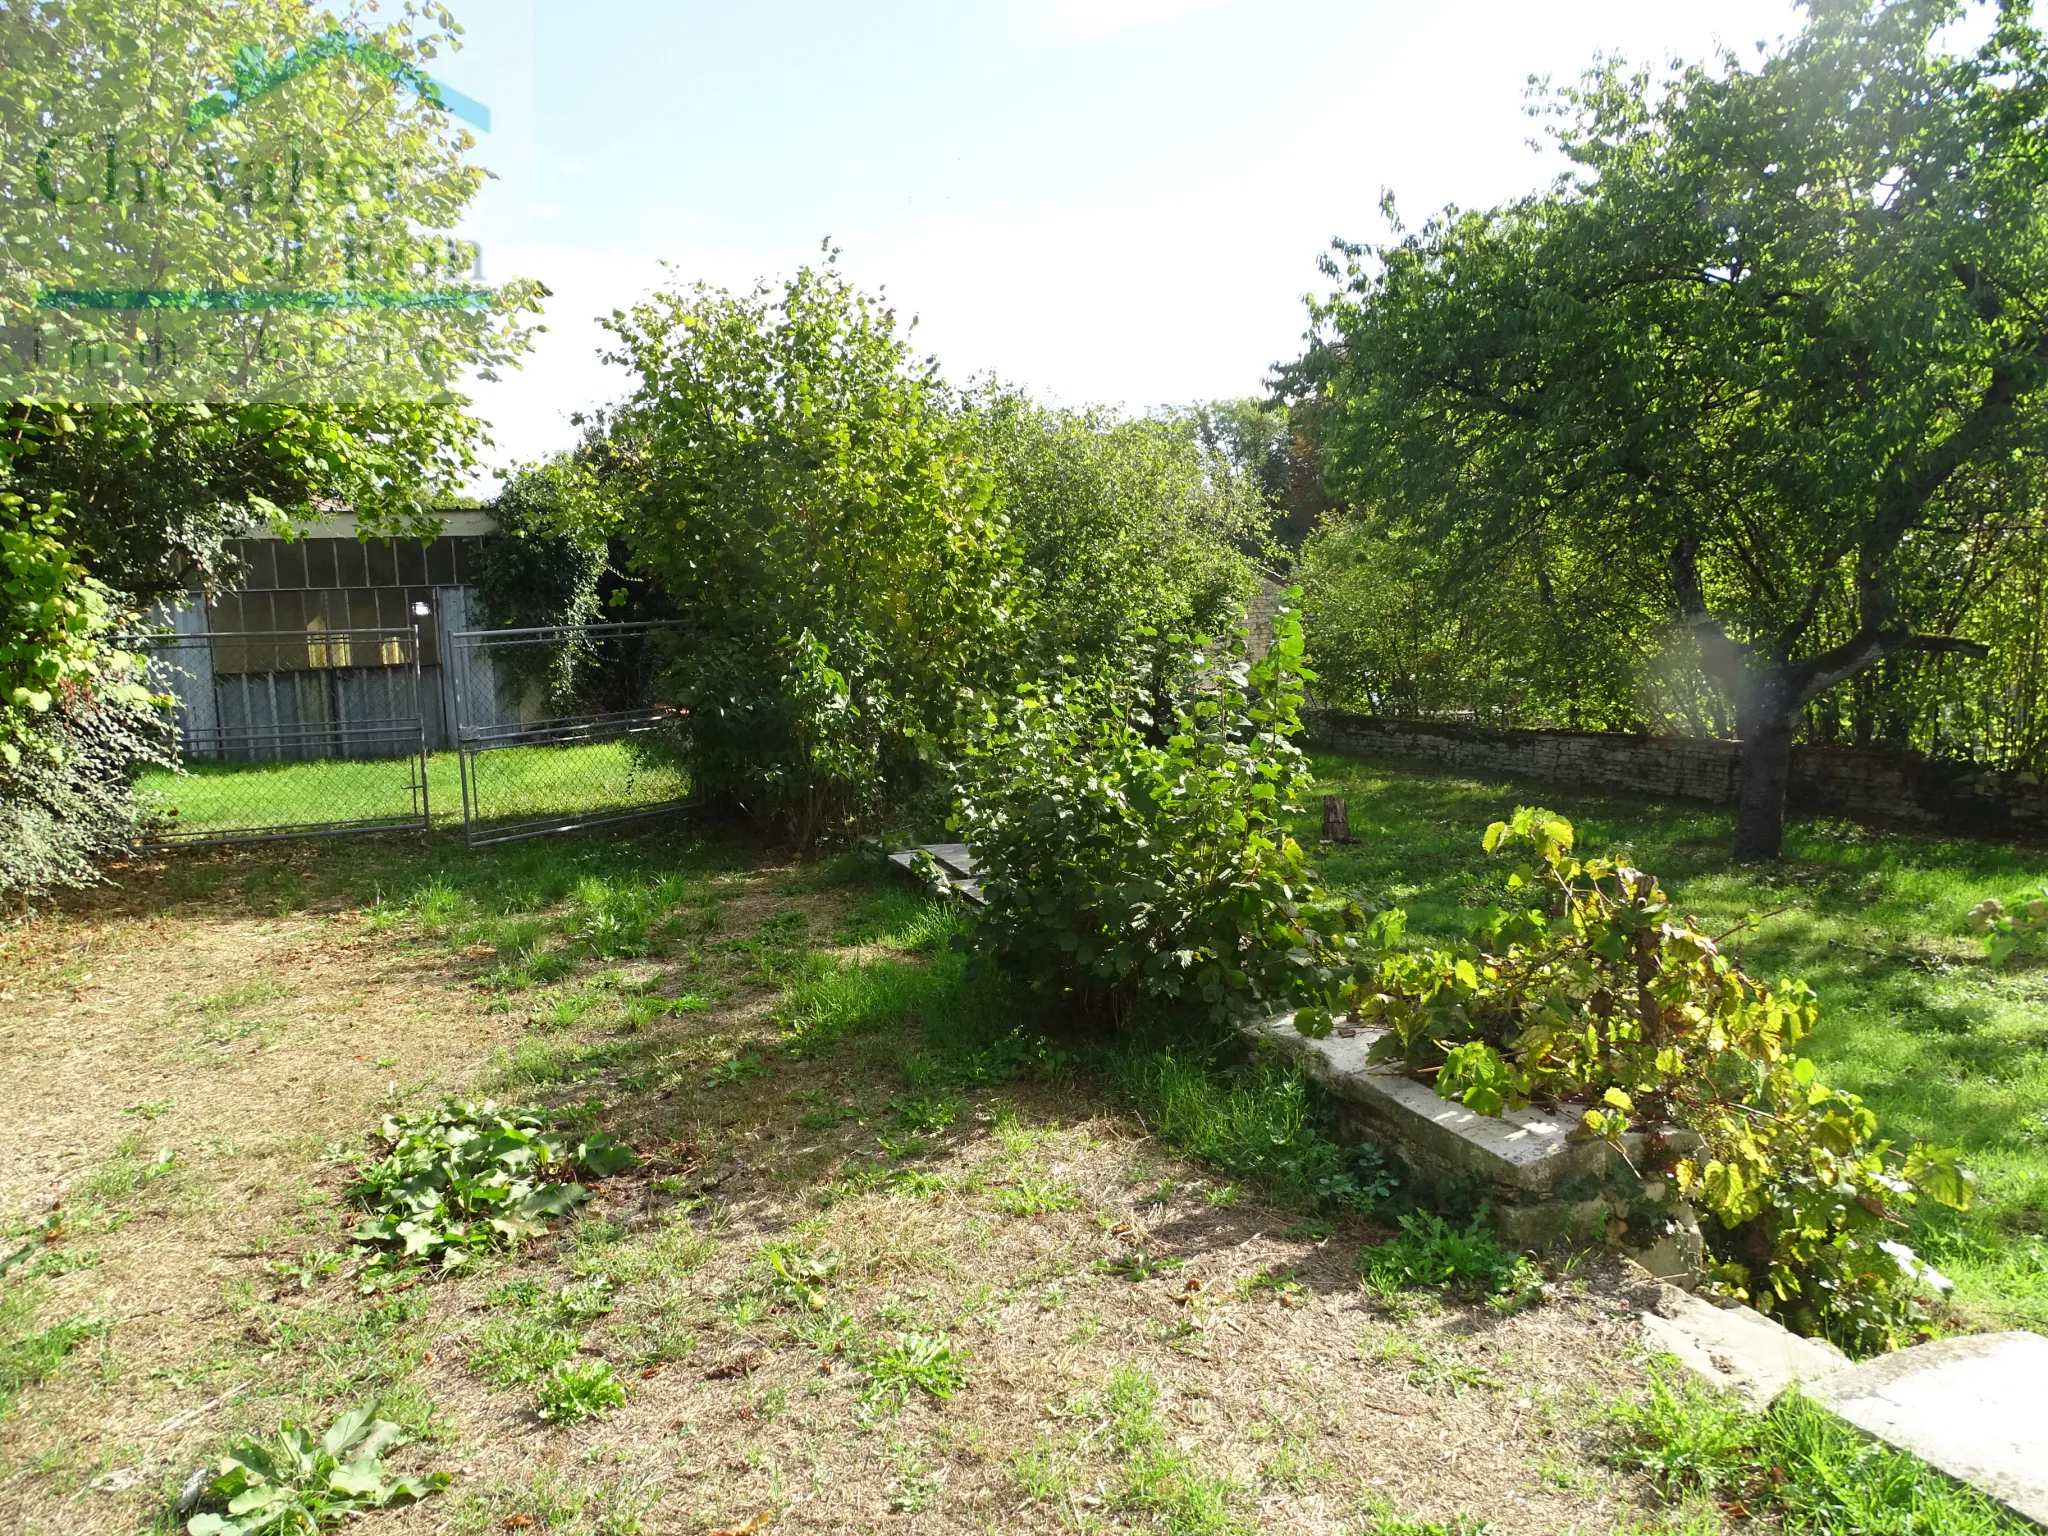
point(1591, 993)
point(576, 1390)
point(1133, 847)
point(802, 489)
point(2006, 931)
point(1763, 373)
point(322, 214)
point(56, 627)
point(463, 1178)
point(295, 1485)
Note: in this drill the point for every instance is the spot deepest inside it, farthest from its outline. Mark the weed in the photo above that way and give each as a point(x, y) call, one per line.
point(511, 1351)
point(1158, 1479)
point(1435, 1367)
point(1430, 1253)
point(127, 1173)
point(1267, 1281)
point(1034, 1197)
point(925, 1112)
point(577, 1390)
point(1138, 1265)
point(464, 1177)
point(912, 1363)
point(584, 1303)
point(799, 1276)
point(1796, 1461)
point(1385, 1522)
point(294, 1483)
point(27, 1358)
point(736, 1066)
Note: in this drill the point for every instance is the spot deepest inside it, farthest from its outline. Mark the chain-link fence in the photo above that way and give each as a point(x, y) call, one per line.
point(563, 727)
point(288, 733)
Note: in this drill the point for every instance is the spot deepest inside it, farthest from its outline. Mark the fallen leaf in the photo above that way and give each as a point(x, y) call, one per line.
point(653, 1371)
point(745, 1363)
point(427, 1358)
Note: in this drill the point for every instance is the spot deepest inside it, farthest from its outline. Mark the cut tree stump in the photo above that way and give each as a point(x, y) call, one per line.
point(1336, 820)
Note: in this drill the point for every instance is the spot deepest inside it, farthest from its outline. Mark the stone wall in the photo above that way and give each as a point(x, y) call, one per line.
point(1838, 781)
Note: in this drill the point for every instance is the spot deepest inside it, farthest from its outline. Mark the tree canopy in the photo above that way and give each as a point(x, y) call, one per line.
point(1771, 355)
point(800, 485)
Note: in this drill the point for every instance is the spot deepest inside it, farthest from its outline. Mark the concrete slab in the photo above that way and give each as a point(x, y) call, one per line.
point(1526, 1149)
point(954, 859)
point(1977, 1408)
point(1737, 1347)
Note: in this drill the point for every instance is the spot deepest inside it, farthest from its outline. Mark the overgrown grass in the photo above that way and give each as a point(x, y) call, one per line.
point(1797, 1462)
point(1942, 1046)
point(1263, 1121)
point(30, 1354)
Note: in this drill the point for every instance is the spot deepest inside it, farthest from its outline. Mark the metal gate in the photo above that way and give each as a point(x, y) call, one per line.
point(561, 727)
point(288, 733)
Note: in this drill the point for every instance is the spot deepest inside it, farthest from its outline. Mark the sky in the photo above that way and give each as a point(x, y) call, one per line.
point(1110, 202)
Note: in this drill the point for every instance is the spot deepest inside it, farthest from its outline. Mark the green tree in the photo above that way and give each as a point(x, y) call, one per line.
point(230, 247)
point(1120, 524)
point(74, 711)
point(1773, 354)
point(156, 490)
point(214, 203)
point(802, 489)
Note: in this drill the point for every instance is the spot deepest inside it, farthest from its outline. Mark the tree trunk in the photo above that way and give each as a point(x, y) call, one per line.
point(1766, 772)
point(1336, 820)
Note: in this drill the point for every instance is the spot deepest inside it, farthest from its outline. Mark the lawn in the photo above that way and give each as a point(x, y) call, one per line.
point(1042, 1281)
point(511, 785)
point(1941, 1045)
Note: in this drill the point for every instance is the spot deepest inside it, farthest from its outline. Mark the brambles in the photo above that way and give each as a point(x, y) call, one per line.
point(1594, 994)
point(463, 1178)
point(294, 1485)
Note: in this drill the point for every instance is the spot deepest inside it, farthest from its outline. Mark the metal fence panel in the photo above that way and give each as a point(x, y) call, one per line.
point(562, 727)
point(291, 734)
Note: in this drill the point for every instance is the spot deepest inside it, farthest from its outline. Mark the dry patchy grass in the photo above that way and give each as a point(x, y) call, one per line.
point(856, 1284)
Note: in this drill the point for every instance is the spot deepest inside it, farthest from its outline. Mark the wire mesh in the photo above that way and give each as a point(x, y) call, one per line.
point(562, 727)
point(287, 733)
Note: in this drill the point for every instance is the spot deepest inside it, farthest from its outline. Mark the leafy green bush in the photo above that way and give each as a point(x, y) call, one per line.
point(802, 489)
point(577, 1390)
point(1131, 852)
point(1431, 1253)
point(465, 1177)
point(75, 716)
point(294, 1485)
point(1594, 994)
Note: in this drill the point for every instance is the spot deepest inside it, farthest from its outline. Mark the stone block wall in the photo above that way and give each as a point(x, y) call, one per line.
point(1840, 781)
